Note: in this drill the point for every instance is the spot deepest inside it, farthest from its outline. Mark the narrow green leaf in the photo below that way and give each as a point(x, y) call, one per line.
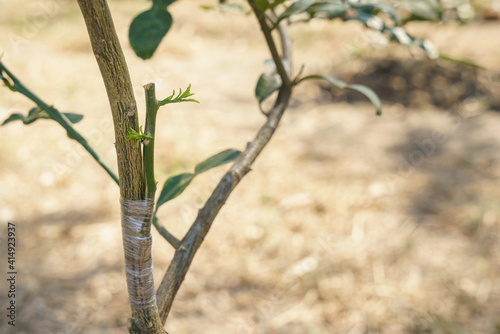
point(375, 7)
point(423, 10)
point(466, 62)
point(13, 117)
point(389, 10)
point(266, 85)
point(298, 7)
point(148, 29)
point(217, 160)
point(366, 91)
point(370, 20)
point(37, 113)
point(72, 117)
point(329, 11)
point(173, 187)
point(370, 94)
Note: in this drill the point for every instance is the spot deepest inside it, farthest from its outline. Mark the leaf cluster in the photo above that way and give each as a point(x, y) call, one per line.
point(181, 97)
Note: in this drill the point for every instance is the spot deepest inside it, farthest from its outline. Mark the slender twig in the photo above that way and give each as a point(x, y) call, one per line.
point(286, 44)
point(148, 157)
point(272, 45)
point(172, 240)
point(59, 117)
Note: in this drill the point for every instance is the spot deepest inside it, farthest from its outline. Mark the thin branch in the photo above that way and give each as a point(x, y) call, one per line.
point(286, 44)
point(57, 116)
point(272, 45)
point(149, 148)
point(172, 240)
point(184, 255)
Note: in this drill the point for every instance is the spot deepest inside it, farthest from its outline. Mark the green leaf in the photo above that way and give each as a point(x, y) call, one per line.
point(13, 117)
point(366, 91)
point(173, 187)
point(466, 62)
point(329, 11)
point(148, 29)
point(374, 8)
point(389, 10)
point(298, 7)
point(217, 160)
point(267, 84)
point(181, 97)
point(369, 20)
point(423, 10)
point(72, 117)
point(37, 113)
point(401, 36)
point(370, 94)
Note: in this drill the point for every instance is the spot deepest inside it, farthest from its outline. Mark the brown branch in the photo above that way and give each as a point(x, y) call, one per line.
point(191, 242)
point(171, 239)
point(272, 45)
point(114, 71)
point(286, 44)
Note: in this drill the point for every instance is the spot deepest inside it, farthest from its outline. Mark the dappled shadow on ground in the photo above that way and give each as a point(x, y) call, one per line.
point(424, 82)
point(454, 199)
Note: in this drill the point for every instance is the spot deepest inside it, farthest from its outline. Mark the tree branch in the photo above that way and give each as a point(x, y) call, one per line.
point(184, 255)
point(149, 148)
point(272, 45)
point(172, 240)
point(59, 118)
point(111, 61)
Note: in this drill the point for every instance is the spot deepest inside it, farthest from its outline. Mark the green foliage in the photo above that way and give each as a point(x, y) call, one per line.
point(37, 113)
point(366, 91)
point(217, 160)
point(267, 84)
point(298, 7)
point(140, 136)
point(181, 97)
point(329, 10)
point(148, 29)
point(175, 185)
point(422, 10)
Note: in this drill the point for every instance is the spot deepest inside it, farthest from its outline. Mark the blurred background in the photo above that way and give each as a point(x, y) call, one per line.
point(347, 223)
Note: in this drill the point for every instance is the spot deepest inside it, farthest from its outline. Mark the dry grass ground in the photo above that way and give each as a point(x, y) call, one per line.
point(348, 223)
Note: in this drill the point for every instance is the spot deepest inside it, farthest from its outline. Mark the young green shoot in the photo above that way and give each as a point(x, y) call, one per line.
point(140, 136)
point(181, 97)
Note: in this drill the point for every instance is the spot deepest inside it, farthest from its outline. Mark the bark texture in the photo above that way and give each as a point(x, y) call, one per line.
point(114, 71)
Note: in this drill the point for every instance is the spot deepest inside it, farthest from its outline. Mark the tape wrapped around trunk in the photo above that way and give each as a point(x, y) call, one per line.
point(136, 230)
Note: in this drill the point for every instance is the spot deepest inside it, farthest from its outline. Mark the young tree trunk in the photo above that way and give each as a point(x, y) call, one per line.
point(136, 209)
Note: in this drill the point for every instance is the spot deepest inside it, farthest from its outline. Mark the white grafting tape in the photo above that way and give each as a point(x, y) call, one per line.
point(136, 229)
